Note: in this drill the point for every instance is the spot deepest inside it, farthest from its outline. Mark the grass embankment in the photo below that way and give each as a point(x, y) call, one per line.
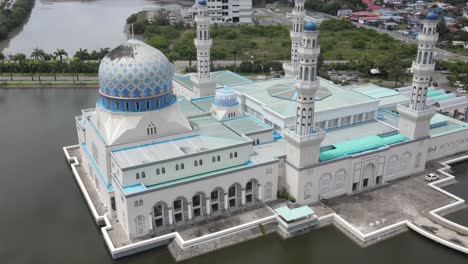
point(339, 40)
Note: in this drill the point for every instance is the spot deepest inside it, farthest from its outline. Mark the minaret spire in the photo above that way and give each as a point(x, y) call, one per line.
point(304, 142)
point(415, 119)
point(291, 68)
point(203, 83)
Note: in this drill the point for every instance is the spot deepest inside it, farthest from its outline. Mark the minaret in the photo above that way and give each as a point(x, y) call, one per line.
point(203, 83)
point(303, 146)
point(415, 119)
point(291, 68)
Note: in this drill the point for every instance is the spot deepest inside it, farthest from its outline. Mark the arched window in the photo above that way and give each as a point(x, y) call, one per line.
point(430, 58)
point(419, 57)
point(425, 58)
point(138, 175)
point(182, 166)
point(158, 171)
point(313, 43)
point(235, 154)
point(177, 167)
point(306, 74)
point(300, 72)
point(230, 155)
point(200, 162)
point(429, 31)
point(147, 105)
point(143, 175)
point(195, 163)
point(218, 158)
point(163, 170)
point(213, 159)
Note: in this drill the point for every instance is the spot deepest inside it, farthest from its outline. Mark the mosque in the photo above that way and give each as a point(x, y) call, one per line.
point(164, 151)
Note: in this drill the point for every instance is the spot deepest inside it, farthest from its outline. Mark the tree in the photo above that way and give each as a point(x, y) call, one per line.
point(38, 54)
point(10, 67)
point(60, 53)
point(82, 55)
point(189, 53)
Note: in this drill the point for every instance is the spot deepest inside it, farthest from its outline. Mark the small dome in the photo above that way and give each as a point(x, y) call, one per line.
point(310, 26)
point(225, 97)
point(135, 71)
point(202, 2)
point(432, 15)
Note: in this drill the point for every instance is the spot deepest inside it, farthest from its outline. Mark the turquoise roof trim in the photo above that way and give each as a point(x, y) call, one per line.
point(360, 145)
point(435, 93)
point(289, 214)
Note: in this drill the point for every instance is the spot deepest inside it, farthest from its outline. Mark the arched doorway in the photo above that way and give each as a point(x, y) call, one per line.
point(251, 191)
point(180, 209)
point(199, 205)
point(217, 200)
point(160, 215)
point(234, 195)
point(368, 175)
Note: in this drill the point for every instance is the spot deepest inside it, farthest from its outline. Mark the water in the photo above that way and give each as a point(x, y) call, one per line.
point(74, 24)
point(44, 217)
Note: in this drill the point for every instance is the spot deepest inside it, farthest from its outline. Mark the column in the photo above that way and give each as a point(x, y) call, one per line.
point(466, 114)
point(243, 196)
point(260, 193)
point(226, 204)
point(208, 206)
point(150, 221)
point(189, 213)
point(170, 216)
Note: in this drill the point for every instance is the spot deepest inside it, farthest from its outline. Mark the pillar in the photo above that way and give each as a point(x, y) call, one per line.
point(208, 206)
point(170, 216)
point(243, 196)
point(150, 221)
point(466, 114)
point(226, 204)
point(189, 213)
point(260, 193)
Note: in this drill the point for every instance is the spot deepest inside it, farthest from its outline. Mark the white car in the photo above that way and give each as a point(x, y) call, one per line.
point(461, 90)
point(431, 177)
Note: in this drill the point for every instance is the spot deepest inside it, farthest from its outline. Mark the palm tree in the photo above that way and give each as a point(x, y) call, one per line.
point(53, 64)
point(38, 55)
point(103, 52)
point(60, 53)
point(20, 60)
point(82, 54)
point(10, 67)
point(2, 60)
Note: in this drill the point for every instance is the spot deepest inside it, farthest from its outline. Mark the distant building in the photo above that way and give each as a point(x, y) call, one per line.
point(344, 13)
point(230, 11)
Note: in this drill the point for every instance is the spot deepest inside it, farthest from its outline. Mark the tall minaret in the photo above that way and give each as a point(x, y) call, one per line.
point(415, 119)
point(203, 83)
point(292, 68)
point(303, 146)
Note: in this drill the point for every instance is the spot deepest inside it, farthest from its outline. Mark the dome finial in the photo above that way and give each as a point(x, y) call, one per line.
point(310, 26)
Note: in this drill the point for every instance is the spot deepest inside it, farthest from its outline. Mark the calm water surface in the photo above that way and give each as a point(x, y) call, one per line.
point(45, 220)
point(75, 24)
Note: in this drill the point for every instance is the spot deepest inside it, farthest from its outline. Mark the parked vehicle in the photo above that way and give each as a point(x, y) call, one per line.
point(461, 90)
point(431, 177)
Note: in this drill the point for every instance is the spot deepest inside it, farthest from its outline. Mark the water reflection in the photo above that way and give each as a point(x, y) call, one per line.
point(73, 24)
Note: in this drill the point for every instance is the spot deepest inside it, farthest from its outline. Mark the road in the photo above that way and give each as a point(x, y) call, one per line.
point(441, 54)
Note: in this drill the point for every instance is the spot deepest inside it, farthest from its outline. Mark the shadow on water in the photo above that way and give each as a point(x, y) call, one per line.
point(460, 189)
point(45, 219)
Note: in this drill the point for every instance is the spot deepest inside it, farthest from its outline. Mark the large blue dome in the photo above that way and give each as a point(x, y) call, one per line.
point(432, 15)
point(135, 77)
point(310, 26)
point(202, 2)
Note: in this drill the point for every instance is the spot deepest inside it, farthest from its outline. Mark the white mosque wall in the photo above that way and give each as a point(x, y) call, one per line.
point(445, 145)
point(243, 153)
point(139, 207)
point(355, 173)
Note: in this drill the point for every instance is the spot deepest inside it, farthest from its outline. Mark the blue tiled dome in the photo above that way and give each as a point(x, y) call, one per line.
point(310, 26)
point(432, 15)
point(135, 72)
point(225, 97)
point(202, 2)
